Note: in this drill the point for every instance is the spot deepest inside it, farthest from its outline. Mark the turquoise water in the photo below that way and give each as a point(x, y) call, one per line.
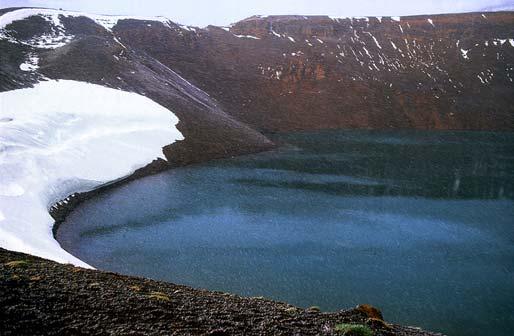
point(420, 224)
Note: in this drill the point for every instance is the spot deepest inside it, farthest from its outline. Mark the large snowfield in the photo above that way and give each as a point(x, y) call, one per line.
point(62, 137)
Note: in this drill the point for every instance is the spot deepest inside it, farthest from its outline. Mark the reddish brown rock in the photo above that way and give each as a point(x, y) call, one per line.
point(287, 73)
point(370, 311)
point(348, 73)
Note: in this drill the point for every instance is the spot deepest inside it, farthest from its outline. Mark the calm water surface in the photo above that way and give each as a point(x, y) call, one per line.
point(420, 224)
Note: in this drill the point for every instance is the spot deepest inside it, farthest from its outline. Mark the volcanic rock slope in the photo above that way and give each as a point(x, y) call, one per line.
point(49, 44)
point(282, 73)
point(279, 73)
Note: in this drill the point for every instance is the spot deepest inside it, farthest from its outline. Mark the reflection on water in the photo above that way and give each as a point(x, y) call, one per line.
point(417, 223)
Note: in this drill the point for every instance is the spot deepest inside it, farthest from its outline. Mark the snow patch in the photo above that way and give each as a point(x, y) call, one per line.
point(374, 39)
point(275, 33)
point(464, 53)
point(64, 137)
point(31, 64)
point(395, 18)
point(291, 39)
point(58, 38)
point(118, 41)
point(431, 22)
point(499, 41)
point(106, 21)
point(247, 36)
point(367, 52)
point(187, 28)
point(351, 18)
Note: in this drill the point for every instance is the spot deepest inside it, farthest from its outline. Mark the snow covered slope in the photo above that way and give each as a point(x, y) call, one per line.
point(53, 15)
point(57, 36)
point(62, 137)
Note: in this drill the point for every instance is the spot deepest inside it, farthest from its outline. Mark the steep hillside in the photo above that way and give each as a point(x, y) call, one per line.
point(67, 136)
point(281, 73)
point(290, 72)
point(42, 44)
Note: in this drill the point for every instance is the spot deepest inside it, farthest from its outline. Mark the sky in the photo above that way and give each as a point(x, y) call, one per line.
point(223, 12)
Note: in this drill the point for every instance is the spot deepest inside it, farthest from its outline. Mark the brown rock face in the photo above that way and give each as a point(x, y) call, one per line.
point(282, 73)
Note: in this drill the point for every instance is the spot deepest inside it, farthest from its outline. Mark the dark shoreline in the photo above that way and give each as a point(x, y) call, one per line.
point(43, 297)
point(60, 210)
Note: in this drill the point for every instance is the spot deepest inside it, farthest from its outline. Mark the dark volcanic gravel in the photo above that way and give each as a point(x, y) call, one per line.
point(42, 297)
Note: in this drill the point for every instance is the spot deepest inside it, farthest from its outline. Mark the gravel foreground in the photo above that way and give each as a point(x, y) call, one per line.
point(42, 297)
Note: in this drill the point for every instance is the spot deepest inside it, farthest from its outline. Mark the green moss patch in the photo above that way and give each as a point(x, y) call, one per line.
point(159, 296)
point(16, 263)
point(353, 329)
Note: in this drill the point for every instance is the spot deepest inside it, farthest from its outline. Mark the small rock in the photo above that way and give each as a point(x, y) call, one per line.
point(291, 310)
point(159, 296)
point(313, 309)
point(370, 311)
point(135, 288)
point(376, 323)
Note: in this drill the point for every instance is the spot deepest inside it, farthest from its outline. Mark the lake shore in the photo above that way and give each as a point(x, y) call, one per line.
point(42, 297)
point(117, 303)
point(419, 309)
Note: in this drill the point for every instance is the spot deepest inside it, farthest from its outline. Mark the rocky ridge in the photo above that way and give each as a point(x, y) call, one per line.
point(283, 73)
